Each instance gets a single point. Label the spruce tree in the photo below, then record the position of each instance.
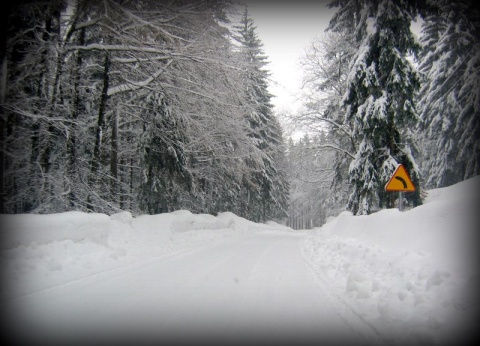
(166, 179)
(450, 110)
(148, 118)
(380, 101)
(265, 188)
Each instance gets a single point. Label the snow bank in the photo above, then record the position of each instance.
(412, 275)
(152, 233)
(42, 251)
(28, 229)
(25, 229)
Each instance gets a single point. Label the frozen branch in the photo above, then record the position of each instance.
(85, 24)
(130, 86)
(336, 148)
(115, 47)
(334, 123)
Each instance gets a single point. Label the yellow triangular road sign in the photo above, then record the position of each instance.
(400, 181)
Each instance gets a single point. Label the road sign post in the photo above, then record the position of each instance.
(401, 182)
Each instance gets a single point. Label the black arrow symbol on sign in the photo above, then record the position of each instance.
(403, 181)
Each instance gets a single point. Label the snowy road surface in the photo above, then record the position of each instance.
(256, 288)
(390, 278)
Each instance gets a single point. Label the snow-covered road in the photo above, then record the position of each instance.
(396, 278)
(255, 288)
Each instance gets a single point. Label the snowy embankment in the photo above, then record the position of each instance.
(41, 251)
(413, 275)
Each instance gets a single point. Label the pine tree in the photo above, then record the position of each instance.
(380, 100)
(148, 118)
(266, 187)
(34, 138)
(166, 179)
(450, 110)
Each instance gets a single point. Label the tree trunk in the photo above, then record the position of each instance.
(72, 169)
(3, 87)
(114, 157)
(47, 147)
(100, 126)
(123, 181)
(132, 175)
(101, 117)
(3, 91)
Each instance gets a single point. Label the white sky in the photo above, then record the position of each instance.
(286, 28)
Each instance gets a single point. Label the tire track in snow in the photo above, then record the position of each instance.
(256, 288)
(370, 334)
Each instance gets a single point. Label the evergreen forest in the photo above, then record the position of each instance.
(152, 106)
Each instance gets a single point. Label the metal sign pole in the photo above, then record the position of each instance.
(400, 201)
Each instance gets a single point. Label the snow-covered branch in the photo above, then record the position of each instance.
(130, 86)
(336, 148)
(331, 122)
(86, 24)
(115, 47)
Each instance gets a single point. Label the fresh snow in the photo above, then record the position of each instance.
(388, 278)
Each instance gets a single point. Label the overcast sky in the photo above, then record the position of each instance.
(286, 28)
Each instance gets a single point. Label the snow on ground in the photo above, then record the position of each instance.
(41, 251)
(411, 276)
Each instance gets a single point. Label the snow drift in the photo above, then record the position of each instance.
(413, 275)
(41, 251)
